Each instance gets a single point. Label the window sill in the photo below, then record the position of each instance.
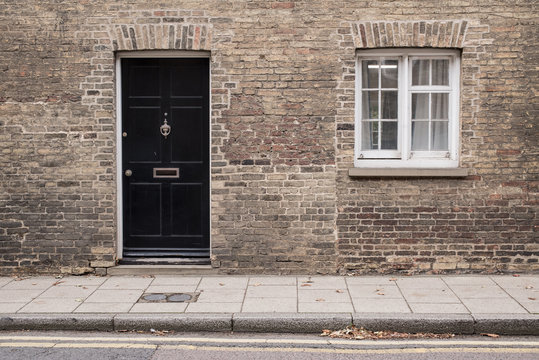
(408, 172)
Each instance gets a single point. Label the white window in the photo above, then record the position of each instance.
(407, 108)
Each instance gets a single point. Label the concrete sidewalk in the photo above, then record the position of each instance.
(457, 304)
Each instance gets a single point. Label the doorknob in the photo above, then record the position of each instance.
(128, 172)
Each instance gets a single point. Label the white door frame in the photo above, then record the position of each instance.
(119, 175)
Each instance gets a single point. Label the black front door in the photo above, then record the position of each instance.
(165, 146)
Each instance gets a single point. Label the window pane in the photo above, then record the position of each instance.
(440, 106)
(369, 137)
(420, 135)
(369, 74)
(439, 135)
(370, 104)
(420, 106)
(440, 72)
(389, 104)
(389, 135)
(390, 74)
(420, 72)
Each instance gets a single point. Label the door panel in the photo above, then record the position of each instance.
(165, 216)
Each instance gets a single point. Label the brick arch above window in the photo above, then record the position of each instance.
(380, 34)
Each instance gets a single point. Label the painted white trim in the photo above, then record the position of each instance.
(118, 124)
(404, 157)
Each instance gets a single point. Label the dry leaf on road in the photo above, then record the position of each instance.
(490, 335)
(305, 284)
(320, 300)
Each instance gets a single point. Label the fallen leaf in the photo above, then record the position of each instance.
(529, 287)
(58, 282)
(320, 300)
(490, 335)
(221, 284)
(393, 279)
(530, 298)
(352, 332)
(380, 293)
(79, 300)
(516, 275)
(339, 291)
(257, 284)
(305, 284)
(84, 287)
(34, 283)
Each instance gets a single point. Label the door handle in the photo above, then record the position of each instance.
(128, 172)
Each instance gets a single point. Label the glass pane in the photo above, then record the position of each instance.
(369, 135)
(389, 104)
(439, 135)
(389, 135)
(420, 135)
(420, 106)
(440, 106)
(440, 72)
(370, 105)
(390, 74)
(369, 74)
(420, 72)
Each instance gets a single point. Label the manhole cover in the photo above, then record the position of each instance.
(169, 297)
(179, 298)
(154, 297)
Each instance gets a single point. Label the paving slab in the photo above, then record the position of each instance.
(214, 307)
(5, 280)
(373, 291)
(364, 305)
(221, 295)
(81, 281)
(158, 308)
(273, 280)
(486, 306)
(438, 308)
(325, 307)
(468, 280)
(272, 291)
(323, 295)
(479, 291)
(14, 296)
(111, 296)
(51, 305)
(421, 283)
(370, 280)
(322, 282)
(263, 305)
(104, 307)
(70, 291)
(161, 280)
(429, 295)
(10, 308)
(34, 283)
(126, 283)
(516, 282)
(225, 282)
(531, 306)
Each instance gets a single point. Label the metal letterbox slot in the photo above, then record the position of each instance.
(166, 173)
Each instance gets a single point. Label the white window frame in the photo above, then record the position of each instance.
(404, 157)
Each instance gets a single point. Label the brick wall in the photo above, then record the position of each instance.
(282, 80)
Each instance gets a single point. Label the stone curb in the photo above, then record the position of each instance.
(503, 324)
(416, 323)
(175, 322)
(289, 323)
(79, 322)
(507, 324)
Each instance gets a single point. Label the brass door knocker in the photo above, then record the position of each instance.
(165, 128)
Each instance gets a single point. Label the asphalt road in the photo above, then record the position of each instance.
(216, 346)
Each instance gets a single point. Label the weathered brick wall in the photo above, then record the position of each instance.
(282, 77)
